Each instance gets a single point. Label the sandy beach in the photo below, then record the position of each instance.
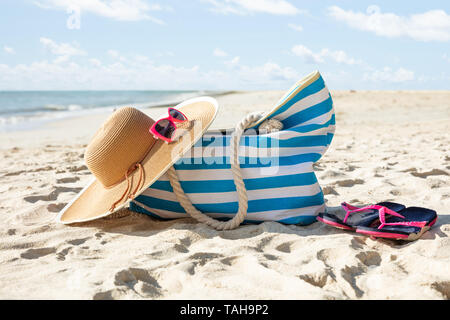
(388, 146)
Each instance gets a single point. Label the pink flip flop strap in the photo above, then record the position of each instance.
(382, 211)
(349, 209)
(382, 215)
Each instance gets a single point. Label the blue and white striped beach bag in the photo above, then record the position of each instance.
(277, 167)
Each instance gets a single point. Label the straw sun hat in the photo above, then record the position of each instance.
(125, 158)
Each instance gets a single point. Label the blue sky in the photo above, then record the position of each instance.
(223, 44)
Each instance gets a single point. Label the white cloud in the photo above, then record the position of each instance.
(138, 72)
(233, 62)
(61, 59)
(116, 55)
(139, 59)
(219, 53)
(340, 56)
(95, 62)
(433, 25)
(309, 56)
(9, 50)
(113, 53)
(243, 7)
(93, 74)
(295, 27)
(446, 57)
(123, 10)
(267, 73)
(63, 51)
(387, 74)
(165, 54)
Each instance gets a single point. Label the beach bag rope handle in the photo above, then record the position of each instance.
(237, 177)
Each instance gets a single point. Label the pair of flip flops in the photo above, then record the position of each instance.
(383, 220)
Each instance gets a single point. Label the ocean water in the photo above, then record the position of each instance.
(25, 109)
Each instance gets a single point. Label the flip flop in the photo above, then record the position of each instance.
(350, 221)
(407, 224)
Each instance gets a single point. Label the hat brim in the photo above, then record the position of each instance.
(95, 200)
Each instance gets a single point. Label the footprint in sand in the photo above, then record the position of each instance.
(350, 263)
(138, 280)
(77, 242)
(56, 207)
(16, 173)
(329, 190)
(204, 257)
(52, 196)
(317, 279)
(435, 183)
(331, 174)
(434, 172)
(349, 274)
(99, 235)
(109, 295)
(37, 253)
(229, 261)
(369, 258)
(187, 267)
(358, 243)
(77, 168)
(61, 255)
(350, 168)
(317, 167)
(349, 182)
(443, 288)
(67, 180)
(270, 257)
(333, 256)
(284, 247)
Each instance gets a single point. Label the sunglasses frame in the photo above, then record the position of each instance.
(172, 122)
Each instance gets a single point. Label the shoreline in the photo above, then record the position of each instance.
(65, 115)
(57, 131)
(38, 119)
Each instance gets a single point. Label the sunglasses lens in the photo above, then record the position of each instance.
(177, 114)
(165, 128)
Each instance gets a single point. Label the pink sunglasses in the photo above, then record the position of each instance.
(165, 128)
